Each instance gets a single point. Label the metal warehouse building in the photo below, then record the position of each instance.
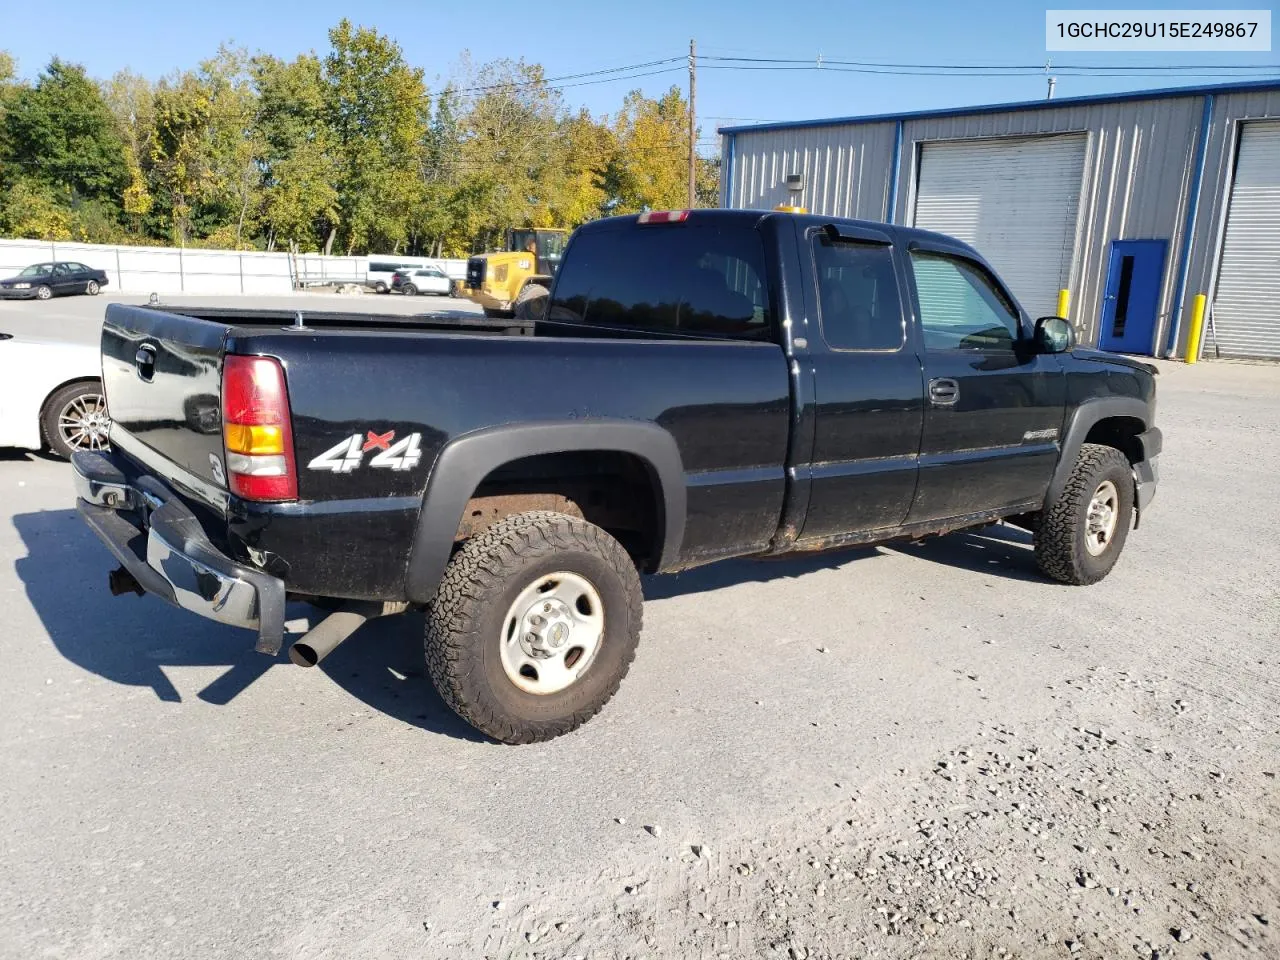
(1120, 210)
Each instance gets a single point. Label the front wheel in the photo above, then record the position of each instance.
(1079, 536)
(409, 290)
(534, 626)
(43, 292)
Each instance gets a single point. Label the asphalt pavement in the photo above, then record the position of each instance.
(170, 793)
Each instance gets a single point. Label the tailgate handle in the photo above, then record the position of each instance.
(145, 362)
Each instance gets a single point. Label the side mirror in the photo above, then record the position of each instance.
(1054, 335)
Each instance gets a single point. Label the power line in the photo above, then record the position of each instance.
(549, 81)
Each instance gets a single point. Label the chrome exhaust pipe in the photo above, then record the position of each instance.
(322, 639)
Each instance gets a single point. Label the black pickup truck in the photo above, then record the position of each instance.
(698, 386)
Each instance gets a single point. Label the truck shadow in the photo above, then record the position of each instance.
(998, 550)
(131, 640)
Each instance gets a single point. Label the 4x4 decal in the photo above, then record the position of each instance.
(348, 455)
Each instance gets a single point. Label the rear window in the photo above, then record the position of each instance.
(680, 278)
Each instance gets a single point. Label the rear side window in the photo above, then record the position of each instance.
(680, 278)
(857, 295)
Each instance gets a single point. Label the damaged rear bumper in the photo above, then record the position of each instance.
(160, 542)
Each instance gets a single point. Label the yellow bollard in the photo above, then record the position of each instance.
(1064, 303)
(1196, 328)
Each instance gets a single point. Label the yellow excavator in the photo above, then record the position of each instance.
(517, 281)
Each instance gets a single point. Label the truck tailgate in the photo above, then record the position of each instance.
(162, 374)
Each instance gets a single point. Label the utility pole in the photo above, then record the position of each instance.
(693, 124)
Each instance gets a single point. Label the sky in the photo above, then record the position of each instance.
(156, 37)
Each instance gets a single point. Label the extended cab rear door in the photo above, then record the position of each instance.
(994, 405)
(867, 381)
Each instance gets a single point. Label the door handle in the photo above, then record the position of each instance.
(144, 362)
(943, 391)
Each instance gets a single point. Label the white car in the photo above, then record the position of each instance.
(51, 396)
(414, 281)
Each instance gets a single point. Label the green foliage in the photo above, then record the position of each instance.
(343, 150)
(60, 132)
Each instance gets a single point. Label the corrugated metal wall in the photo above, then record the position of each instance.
(1229, 111)
(846, 169)
(1137, 171)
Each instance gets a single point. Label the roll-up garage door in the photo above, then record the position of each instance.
(1246, 308)
(1015, 200)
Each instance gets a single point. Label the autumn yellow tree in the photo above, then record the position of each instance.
(650, 168)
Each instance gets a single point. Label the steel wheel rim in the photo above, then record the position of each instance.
(1102, 518)
(83, 423)
(552, 633)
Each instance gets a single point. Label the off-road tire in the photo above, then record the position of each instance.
(494, 314)
(531, 305)
(1060, 532)
(464, 624)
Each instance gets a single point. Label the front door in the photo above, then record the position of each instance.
(1132, 297)
(994, 407)
(869, 392)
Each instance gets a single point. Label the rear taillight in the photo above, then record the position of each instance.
(256, 429)
(663, 216)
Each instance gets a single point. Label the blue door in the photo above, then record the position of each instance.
(1132, 296)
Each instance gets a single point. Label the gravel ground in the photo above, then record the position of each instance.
(908, 751)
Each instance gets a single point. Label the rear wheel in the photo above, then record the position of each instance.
(43, 292)
(532, 303)
(379, 287)
(75, 418)
(91, 288)
(1079, 537)
(534, 626)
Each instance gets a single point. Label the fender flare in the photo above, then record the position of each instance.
(464, 462)
(1083, 419)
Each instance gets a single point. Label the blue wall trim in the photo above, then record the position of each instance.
(727, 173)
(1188, 228)
(892, 213)
(1162, 93)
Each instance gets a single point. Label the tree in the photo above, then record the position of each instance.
(300, 198)
(377, 107)
(131, 99)
(180, 172)
(61, 133)
(34, 210)
(650, 168)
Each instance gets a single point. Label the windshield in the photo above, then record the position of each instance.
(37, 269)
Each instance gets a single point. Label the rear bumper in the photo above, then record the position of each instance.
(157, 538)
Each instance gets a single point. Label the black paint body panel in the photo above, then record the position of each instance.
(758, 447)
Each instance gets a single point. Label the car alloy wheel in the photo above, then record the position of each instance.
(43, 293)
(83, 423)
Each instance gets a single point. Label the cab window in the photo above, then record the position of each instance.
(684, 279)
(961, 305)
(857, 295)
